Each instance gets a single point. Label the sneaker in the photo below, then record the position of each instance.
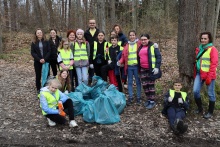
(151, 105)
(73, 124)
(51, 123)
(207, 115)
(138, 102)
(129, 102)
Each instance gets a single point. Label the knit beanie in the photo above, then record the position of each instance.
(79, 31)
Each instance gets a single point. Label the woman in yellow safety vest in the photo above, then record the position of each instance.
(81, 52)
(65, 59)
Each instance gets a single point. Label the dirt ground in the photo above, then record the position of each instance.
(22, 124)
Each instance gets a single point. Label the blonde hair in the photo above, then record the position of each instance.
(55, 82)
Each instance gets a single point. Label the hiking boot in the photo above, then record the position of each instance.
(150, 105)
(51, 123)
(138, 102)
(199, 105)
(129, 102)
(73, 124)
(207, 115)
(175, 131)
(181, 127)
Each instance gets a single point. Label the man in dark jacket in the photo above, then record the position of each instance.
(91, 36)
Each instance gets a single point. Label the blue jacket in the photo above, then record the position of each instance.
(122, 38)
(44, 105)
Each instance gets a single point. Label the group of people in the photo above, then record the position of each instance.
(81, 55)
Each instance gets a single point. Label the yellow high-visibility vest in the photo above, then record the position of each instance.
(65, 55)
(132, 57)
(80, 52)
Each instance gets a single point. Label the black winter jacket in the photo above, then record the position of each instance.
(35, 51)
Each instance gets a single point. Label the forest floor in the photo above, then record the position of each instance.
(22, 123)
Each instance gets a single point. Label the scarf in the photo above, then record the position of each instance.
(201, 49)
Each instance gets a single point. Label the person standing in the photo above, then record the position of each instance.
(54, 41)
(149, 61)
(122, 38)
(91, 35)
(129, 59)
(71, 35)
(40, 51)
(98, 54)
(205, 72)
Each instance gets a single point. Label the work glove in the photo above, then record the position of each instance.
(60, 105)
(170, 99)
(109, 61)
(155, 45)
(208, 81)
(62, 113)
(118, 63)
(91, 66)
(155, 71)
(180, 100)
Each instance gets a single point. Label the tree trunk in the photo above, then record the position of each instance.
(37, 12)
(112, 12)
(48, 4)
(134, 14)
(13, 12)
(194, 17)
(6, 14)
(27, 10)
(79, 14)
(69, 15)
(1, 45)
(102, 14)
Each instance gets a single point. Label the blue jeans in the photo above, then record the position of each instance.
(133, 70)
(198, 85)
(82, 74)
(175, 113)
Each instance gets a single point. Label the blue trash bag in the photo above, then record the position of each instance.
(45, 73)
(78, 102)
(98, 86)
(85, 90)
(118, 98)
(105, 111)
(89, 114)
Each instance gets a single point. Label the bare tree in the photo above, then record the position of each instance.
(6, 15)
(49, 4)
(38, 14)
(112, 12)
(1, 45)
(134, 14)
(193, 19)
(79, 14)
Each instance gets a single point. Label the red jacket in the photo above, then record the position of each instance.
(124, 56)
(213, 65)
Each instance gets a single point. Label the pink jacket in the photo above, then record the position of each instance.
(213, 65)
(124, 56)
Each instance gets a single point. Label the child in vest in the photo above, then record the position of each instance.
(112, 53)
(176, 104)
(53, 102)
(98, 54)
(81, 54)
(129, 59)
(64, 78)
(65, 59)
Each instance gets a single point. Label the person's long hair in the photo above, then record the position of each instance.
(35, 39)
(64, 82)
(62, 42)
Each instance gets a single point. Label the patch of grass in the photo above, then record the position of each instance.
(159, 88)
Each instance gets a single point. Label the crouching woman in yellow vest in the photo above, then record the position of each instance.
(53, 103)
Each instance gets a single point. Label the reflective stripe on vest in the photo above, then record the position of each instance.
(80, 52)
(183, 94)
(153, 58)
(52, 101)
(205, 61)
(65, 55)
(132, 57)
(96, 47)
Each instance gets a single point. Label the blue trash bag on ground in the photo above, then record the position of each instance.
(118, 98)
(85, 90)
(78, 102)
(89, 111)
(105, 111)
(45, 73)
(98, 86)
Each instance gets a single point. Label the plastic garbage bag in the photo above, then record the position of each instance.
(85, 90)
(78, 102)
(118, 98)
(45, 72)
(89, 114)
(105, 111)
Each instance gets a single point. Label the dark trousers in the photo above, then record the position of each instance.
(75, 78)
(38, 71)
(97, 69)
(60, 119)
(175, 113)
(53, 65)
(105, 70)
(118, 77)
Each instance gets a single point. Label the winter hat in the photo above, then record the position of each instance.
(79, 31)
